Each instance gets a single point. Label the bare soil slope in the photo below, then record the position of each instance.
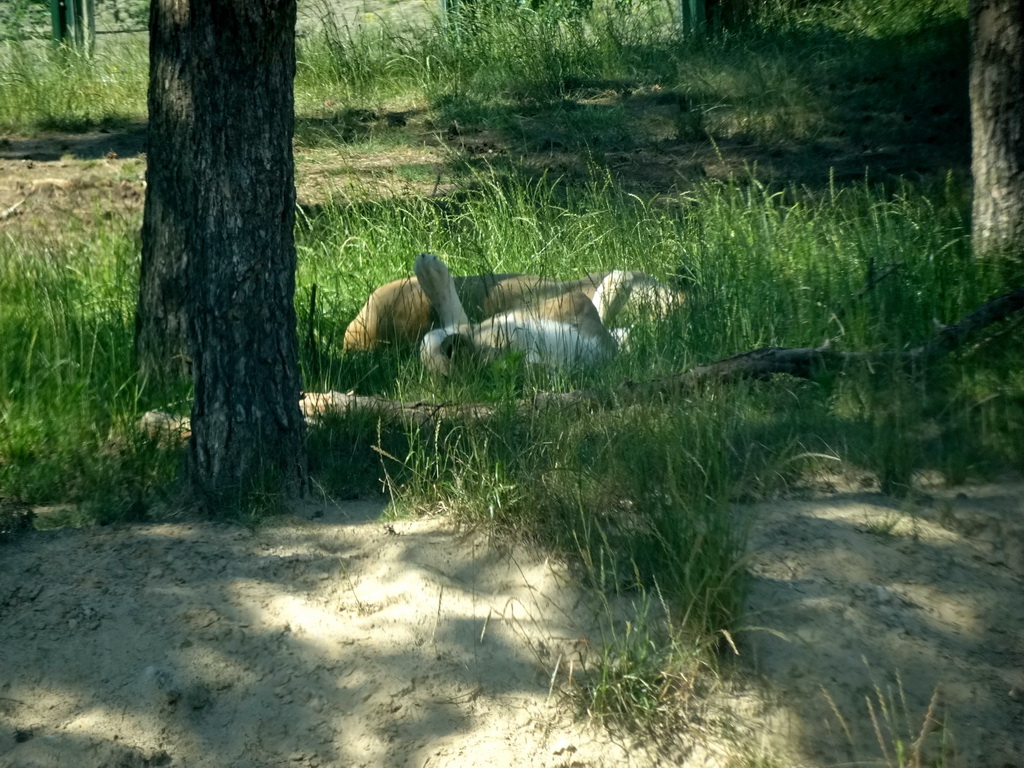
(334, 639)
(894, 625)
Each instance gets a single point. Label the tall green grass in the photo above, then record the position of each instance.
(783, 71)
(69, 399)
(760, 268)
(789, 72)
(46, 88)
(637, 497)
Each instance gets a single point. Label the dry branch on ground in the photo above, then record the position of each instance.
(764, 363)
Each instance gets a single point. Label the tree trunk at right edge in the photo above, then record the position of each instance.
(997, 126)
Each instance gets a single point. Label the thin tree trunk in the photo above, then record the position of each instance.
(997, 125)
(161, 344)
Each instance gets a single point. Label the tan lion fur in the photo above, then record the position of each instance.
(400, 312)
(562, 330)
(554, 322)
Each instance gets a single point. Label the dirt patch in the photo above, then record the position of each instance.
(92, 145)
(333, 638)
(355, 153)
(326, 174)
(50, 182)
(911, 611)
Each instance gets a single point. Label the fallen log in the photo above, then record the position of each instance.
(764, 363)
(814, 362)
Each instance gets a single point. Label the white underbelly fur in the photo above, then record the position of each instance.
(549, 342)
(552, 343)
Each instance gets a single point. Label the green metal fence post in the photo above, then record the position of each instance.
(74, 22)
(692, 17)
(58, 19)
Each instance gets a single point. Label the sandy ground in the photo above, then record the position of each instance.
(336, 640)
(333, 641)
(332, 638)
(912, 610)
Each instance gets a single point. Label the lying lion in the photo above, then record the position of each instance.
(558, 323)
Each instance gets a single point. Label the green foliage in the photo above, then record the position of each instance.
(650, 667)
(69, 400)
(21, 18)
(896, 17)
(607, 79)
(558, 76)
(639, 498)
(43, 88)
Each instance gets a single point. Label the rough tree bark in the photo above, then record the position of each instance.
(161, 344)
(219, 227)
(997, 125)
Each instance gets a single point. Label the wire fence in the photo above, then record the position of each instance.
(31, 19)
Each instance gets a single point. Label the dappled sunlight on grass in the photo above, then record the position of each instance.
(800, 177)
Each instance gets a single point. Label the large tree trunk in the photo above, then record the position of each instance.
(997, 125)
(221, 189)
